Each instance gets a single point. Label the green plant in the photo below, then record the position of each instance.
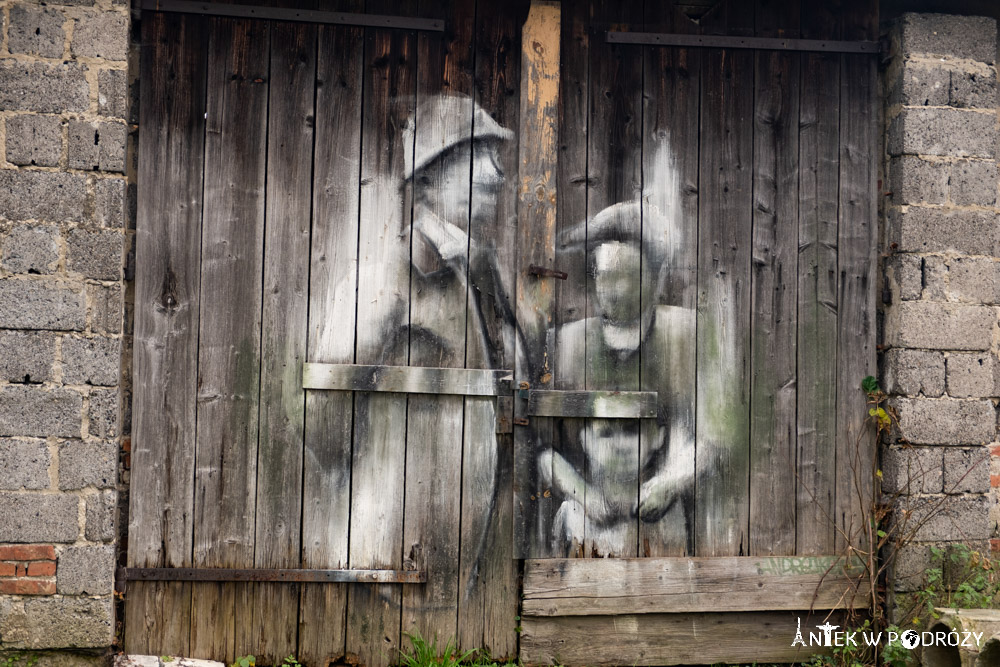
(166, 658)
(19, 660)
(290, 661)
(959, 577)
(426, 654)
(244, 661)
(894, 654)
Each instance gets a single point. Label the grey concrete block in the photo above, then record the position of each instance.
(914, 372)
(940, 326)
(86, 571)
(93, 361)
(973, 90)
(26, 356)
(908, 565)
(100, 526)
(967, 470)
(25, 464)
(96, 146)
(946, 421)
(95, 254)
(31, 249)
(56, 622)
(905, 275)
(919, 229)
(105, 308)
(912, 470)
(31, 410)
(970, 37)
(101, 35)
(36, 31)
(914, 180)
(109, 202)
(50, 196)
(112, 93)
(934, 273)
(974, 279)
(83, 464)
(946, 518)
(43, 87)
(31, 304)
(104, 413)
(974, 183)
(937, 131)
(921, 84)
(972, 375)
(32, 517)
(34, 140)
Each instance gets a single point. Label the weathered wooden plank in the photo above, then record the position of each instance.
(668, 639)
(856, 268)
(670, 210)
(724, 233)
(488, 599)
(283, 335)
(569, 352)
(592, 404)
(326, 479)
(407, 379)
(439, 313)
(295, 575)
(230, 329)
(615, 324)
(773, 282)
(536, 231)
(819, 182)
(168, 247)
(580, 587)
(379, 453)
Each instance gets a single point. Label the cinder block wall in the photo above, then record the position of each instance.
(942, 282)
(63, 213)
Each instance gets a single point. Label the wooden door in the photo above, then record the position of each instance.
(324, 208)
(694, 410)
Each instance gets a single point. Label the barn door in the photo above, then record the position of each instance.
(689, 421)
(324, 333)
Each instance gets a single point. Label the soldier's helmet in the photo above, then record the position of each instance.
(443, 122)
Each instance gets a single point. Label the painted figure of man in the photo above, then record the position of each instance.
(630, 336)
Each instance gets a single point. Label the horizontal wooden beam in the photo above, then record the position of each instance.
(585, 586)
(737, 42)
(278, 575)
(671, 639)
(407, 379)
(600, 404)
(299, 15)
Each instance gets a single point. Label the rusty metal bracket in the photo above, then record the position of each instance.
(543, 272)
(520, 421)
(124, 574)
(286, 14)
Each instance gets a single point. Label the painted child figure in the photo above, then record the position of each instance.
(613, 473)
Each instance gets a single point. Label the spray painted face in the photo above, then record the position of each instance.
(444, 185)
(617, 268)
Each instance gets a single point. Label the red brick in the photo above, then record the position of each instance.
(42, 568)
(27, 552)
(22, 569)
(995, 544)
(994, 481)
(28, 586)
(995, 450)
(7, 569)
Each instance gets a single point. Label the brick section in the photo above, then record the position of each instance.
(27, 552)
(25, 464)
(27, 586)
(30, 304)
(946, 421)
(96, 146)
(31, 517)
(42, 195)
(31, 249)
(36, 31)
(922, 229)
(917, 131)
(26, 356)
(43, 87)
(969, 37)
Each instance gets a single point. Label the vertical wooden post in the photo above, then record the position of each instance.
(536, 212)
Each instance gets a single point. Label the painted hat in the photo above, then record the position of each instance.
(624, 222)
(446, 121)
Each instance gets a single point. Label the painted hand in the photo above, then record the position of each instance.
(657, 496)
